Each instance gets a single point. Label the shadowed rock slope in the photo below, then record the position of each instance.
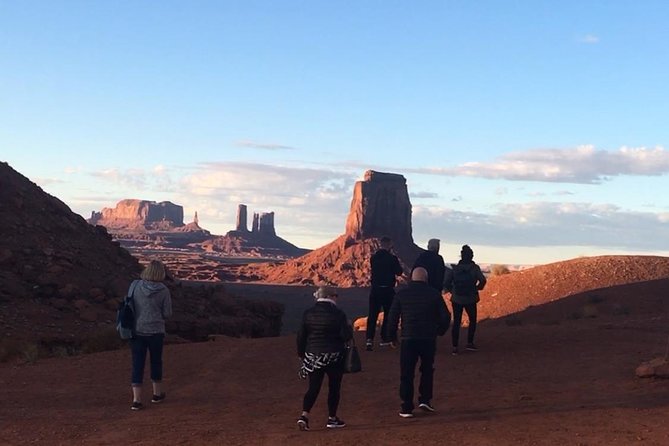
(61, 278)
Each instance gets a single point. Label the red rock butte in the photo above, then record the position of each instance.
(380, 207)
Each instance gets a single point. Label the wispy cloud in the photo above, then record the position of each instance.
(589, 39)
(547, 224)
(423, 195)
(43, 182)
(581, 165)
(262, 146)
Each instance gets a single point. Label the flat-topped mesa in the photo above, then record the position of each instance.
(140, 213)
(380, 207)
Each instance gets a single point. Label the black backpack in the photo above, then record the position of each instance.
(464, 280)
(125, 315)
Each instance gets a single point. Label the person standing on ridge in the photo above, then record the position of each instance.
(433, 263)
(385, 267)
(424, 317)
(464, 281)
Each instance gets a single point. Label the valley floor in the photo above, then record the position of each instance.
(561, 381)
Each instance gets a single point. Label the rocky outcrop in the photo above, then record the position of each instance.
(265, 225)
(136, 214)
(241, 219)
(61, 278)
(380, 207)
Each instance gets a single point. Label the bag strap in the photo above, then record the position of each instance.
(131, 290)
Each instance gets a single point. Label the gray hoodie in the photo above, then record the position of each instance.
(153, 305)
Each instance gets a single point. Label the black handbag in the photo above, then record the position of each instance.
(352, 363)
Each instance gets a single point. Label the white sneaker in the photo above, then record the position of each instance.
(406, 414)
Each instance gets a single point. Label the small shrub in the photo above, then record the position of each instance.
(30, 353)
(103, 340)
(595, 299)
(499, 270)
(9, 349)
(589, 311)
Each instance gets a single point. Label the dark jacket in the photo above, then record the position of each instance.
(434, 264)
(423, 311)
(385, 266)
(477, 275)
(324, 329)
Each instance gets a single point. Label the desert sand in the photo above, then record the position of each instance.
(558, 373)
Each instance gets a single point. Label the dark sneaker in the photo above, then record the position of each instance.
(385, 344)
(454, 352)
(158, 398)
(136, 405)
(471, 347)
(406, 414)
(334, 423)
(427, 407)
(369, 345)
(303, 423)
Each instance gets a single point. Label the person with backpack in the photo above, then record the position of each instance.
(385, 267)
(433, 263)
(464, 281)
(152, 304)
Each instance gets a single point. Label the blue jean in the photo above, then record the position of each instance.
(139, 346)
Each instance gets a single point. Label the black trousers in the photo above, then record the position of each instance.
(410, 351)
(335, 373)
(457, 320)
(379, 298)
(139, 345)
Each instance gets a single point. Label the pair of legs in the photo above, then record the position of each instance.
(379, 298)
(139, 346)
(411, 351)
(335, 373)
(457, 320)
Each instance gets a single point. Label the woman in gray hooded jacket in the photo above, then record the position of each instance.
(152, 305)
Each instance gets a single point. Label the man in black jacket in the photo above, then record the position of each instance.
(385, 266)
(424, 317)
(433, 263)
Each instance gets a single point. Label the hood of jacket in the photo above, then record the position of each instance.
(149, 288)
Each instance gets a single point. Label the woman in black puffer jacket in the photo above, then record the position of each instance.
(321, 342)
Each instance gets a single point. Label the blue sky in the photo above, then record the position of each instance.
(533, 130)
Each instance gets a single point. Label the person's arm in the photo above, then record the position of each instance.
(481, 278)
(302, 337)
(448, 279)
(397, 267)
(443, 317)
(167, 305)
(394, 319)
(346, 331)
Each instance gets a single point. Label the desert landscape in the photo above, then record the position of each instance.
(560, 343)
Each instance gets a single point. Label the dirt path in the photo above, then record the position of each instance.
(570, 381)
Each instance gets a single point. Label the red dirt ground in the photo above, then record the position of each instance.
(560, 373)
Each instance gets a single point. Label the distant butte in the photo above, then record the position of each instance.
(380, 207)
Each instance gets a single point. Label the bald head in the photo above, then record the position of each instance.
(419, 274)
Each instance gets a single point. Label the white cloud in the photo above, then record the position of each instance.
(423, 195)
(262, 146)
(590, 39)
(581, 165)
(547, 224)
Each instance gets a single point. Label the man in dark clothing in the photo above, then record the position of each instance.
(433, 263)
(385, 266)
(464, 281)
(424, 317)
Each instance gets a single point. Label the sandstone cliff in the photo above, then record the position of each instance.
(380, 207)
(140, 214)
